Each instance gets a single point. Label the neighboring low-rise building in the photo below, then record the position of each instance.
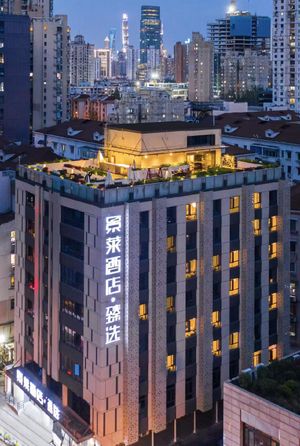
(261, 407)
(273, 135)
(144, 296)
(97, 108)
(75, 139)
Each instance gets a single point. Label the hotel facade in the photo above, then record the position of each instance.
(135, 304)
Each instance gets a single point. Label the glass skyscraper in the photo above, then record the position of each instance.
(150, 31)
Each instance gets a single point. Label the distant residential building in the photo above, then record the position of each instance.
(97, 108)
(261, 406)
(245, 72)
(174, 89)
(200, 61)
(148, 105)
(50, 43)
(181, 62)
(33, 8)
(82, 63)
(131, 63)
(295, 266)
(15, 83)
(231, 36)
(273, 135)
(74, 139)
(102, 60)
(286, 54)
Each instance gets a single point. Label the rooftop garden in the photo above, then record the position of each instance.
(279, 383)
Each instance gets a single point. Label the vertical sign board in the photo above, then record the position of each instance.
(113, 277)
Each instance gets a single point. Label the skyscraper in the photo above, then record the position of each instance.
(200, 57)
(150, 33)
(232, 36)
(125, 33)
(82, 64)
(15, 77)
(286, 54)
(112, 42)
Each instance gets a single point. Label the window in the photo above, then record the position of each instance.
(217, 207)
(171, 215)
(257, 200)
(171, 365)
(253, 437)
(190, 298)
(72, 217)
(191, 211)
(273, 251)
(201, 140)
(293, 246)
(171, 274)
(72, 309)
(256, 227)
(170, 304)
(190, 327)
(273, 198)
(72, 338)
(256, 358)
(72, 248)
(171, 395)
(171, 243)
(234, 286)
(273, 354)
(273, 221)
(143, 312)
(216, 262)
(234, 204)
(189, 388)
(144, 281)
(216, 347)
(190, 356)
(234, 259)
(216, 319)
(191, 241)
(191, 269)
(234, 340)
(293, 226)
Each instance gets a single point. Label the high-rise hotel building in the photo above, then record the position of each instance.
(135, 303)
(286, 54)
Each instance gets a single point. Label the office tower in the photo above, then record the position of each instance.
(139, 302)
(150, 36)
(131, 63)
(82, 64)
(15, 84)
(286, 54)
(200, 62)
(33, 8)
(232, 35)
(181, 62)
(112, 42)
(125, 33)
(103, 63)
(50, 46)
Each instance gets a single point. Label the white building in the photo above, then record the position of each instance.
(82, 66)
(286, 54)
(50, 75)
(102, 60)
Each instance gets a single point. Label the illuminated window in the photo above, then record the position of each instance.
(234, 340)
(273, 250)
(216, 347)
(13, 236)
(234, 204)
(256, 358)
(171, 243)
(234, 259)
(190, 327)
(257, 200)
(272, 301)
(234, 286)
(170, 304)
(273, 353)
(191, 211)
(191, 269)
(273, 222)
(12, 281)
(216, 262)
(143, 313)
(216, 319)
(171, 366)
(257, 227)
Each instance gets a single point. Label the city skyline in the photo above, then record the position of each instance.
(87, 24)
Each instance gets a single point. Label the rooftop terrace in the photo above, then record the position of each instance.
(279, 382)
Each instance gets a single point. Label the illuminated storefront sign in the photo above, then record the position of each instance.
(37, 395)
(113, 281)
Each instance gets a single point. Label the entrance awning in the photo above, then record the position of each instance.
(65, 417)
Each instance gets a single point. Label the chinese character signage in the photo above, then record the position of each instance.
(113, 280)
(37, 395)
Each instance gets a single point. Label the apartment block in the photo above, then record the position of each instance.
(135, 303)
(200, 71)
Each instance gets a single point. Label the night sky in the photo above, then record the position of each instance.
(94, 18)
